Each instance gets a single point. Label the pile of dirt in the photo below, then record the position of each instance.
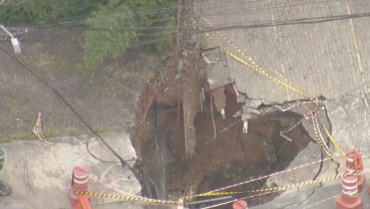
(228, 157)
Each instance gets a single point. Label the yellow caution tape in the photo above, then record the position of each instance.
(255, 67)
(333, 141)
(315, 128)
(305, 183)
(59, 165)
(264, 73)
(328, 133)
(130, 198)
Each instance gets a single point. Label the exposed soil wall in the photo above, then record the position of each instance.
(231, 157)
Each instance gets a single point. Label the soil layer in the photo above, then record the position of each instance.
(227, 158)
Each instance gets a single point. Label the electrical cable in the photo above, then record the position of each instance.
(84, 21)
(123, 162)
(153, 28)
(168, 9)
(93, 155)
(267, 24)
(262, 8)
(264, 52)
(228, 27)
(313, 20)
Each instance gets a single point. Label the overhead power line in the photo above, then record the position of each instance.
(193, 31)
(173, 9)
(111, 18)
(56, 92)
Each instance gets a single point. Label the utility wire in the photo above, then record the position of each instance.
(168, 9)
(313, 20)
(161, 28)
(240, 25)
(123, 162)
(263, 8)
(237, 26)
(265, 50)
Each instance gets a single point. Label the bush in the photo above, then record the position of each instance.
(120, 15)
(45, 11)
(100, 14)
(101, 44)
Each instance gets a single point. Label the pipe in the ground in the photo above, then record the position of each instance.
(209, 200)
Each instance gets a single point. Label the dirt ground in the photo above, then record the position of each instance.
(230, 158)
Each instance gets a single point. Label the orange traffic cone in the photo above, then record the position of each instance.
(79, 183)
(354, 165)
(240, 204)
(82, 202)
(349, 198)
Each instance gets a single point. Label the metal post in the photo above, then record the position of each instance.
(14, 40)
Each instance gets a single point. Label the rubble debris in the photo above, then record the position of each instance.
(219, 100)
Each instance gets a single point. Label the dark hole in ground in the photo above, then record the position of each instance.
(231, 158)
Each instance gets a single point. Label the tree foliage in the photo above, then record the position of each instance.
(101, 44)
(102, 14)
(40, 11)
(120, 15)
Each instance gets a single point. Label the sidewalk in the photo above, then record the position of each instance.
(315, 197)
(37, 181)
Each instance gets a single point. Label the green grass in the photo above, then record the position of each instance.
(54, 133)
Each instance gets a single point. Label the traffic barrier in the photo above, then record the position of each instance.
(349, 198)
(125, 197)
(262, 177)
(2, 158)
(354, 165)
(290, 186)
(80, 182)
(240, 204)
(180, 204)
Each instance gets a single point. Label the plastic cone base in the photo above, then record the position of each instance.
(355, 205)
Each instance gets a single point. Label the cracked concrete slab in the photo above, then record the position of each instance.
(217, 70)
(305, 60)
(350, 121)
(310, 154)
(315, 198)
(37, 181)
(350, 117)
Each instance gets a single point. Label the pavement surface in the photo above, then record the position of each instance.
(106, 100)
(324, 59)
(37, 181)
(328, 59)
(318, 197)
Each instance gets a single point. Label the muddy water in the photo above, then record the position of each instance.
(231, 157)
